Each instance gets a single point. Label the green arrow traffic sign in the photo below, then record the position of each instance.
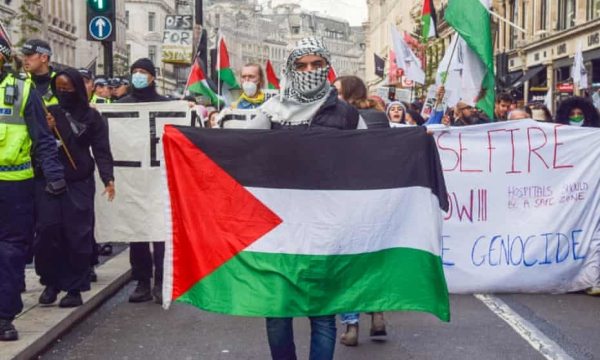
(99, 5)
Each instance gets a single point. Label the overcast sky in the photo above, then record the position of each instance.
(355, 11)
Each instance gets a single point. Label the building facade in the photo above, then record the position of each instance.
(541, 58)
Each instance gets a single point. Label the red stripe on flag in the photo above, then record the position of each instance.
(223, 55)
(332, 75)
(213, 216)
(271, 77)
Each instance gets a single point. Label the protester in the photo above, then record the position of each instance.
(212, 119)
(520, 113)
(26, 138)
(396, 112)
(577, 111)
(503, 102)
(465, 115)
(414, 118)
(36, 62)
(354, 91)
(309, 103)
(102, 92)
(379, 101)
(253, 81)
(64, 238)
(143, 75)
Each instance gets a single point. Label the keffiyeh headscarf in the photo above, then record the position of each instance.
(307, 86)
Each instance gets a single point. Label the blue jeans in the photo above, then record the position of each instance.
(349, 318)
(280, 332)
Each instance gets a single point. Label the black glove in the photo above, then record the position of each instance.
(56, 188)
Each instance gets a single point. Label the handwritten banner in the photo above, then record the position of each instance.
(137, 213)
(177, 39)
(524, 207)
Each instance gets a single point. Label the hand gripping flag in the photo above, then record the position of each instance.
(280, 224)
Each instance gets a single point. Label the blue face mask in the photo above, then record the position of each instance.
(139, 81)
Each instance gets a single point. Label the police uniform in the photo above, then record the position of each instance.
(98, 99)
(42, 82)
(23, 127)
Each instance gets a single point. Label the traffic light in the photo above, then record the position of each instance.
(101, 24)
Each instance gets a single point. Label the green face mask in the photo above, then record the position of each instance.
(576, 119)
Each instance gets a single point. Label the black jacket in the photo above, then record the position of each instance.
(374, 118)
(335, 114)
(93, 133)
(148, 94)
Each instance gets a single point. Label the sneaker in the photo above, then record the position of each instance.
(49, 295)
(93, 276)
(141, 293)
(378, 332)
(71, 300)
(350, 337)
(8, 331)
(157, 292)
(594, 291)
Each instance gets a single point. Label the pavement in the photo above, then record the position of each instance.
(39, 326)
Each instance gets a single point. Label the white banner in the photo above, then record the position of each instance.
(137, 213)
(524, 207)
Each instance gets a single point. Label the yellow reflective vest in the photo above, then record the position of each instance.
(15, 142)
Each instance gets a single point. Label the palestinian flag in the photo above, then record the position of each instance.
(271, 77)
(332, 75)
(294, 223)
(198, 84)
(475, 28)
(224, 70)
(428, 19)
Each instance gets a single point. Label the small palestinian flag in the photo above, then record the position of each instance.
(332, 75)
(428, 18)
(224, 70)
(198, 84)
(271, 77)
(283, 224)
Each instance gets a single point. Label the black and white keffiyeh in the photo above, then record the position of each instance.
(307, 86)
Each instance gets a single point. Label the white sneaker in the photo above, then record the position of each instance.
(594, 291)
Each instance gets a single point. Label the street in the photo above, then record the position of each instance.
(560, 326)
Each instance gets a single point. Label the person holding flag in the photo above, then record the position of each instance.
(253, 80)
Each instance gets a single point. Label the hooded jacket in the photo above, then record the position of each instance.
(81, 128)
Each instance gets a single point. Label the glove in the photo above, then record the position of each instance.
(56, 188)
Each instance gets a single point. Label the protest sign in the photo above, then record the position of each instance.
(524, 207)
(177, 39)
(135, 131)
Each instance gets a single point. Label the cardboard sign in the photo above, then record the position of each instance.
(178, 39)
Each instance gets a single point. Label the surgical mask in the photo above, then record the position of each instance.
(250, 88)
(139, 81)
(576, 120)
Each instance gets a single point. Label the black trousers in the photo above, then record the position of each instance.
(142, 260)
(65, 235)
(16, 235)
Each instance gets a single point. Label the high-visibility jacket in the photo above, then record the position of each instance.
(15, 142)
(48, 96)
(100, 100)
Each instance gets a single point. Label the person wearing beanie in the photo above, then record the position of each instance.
(143, 74)
(142, 260)
(396, 113)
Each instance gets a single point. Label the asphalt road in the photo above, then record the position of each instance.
(524, 327)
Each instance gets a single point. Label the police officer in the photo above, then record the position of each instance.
(120, 88)
(63, 245)
(24, 132)
(88, 81)
(36, 62)
(102, 91)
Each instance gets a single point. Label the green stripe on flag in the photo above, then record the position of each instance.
(288, 285)
(426, 19)
(227, 76)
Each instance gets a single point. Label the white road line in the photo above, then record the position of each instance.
(540, 342)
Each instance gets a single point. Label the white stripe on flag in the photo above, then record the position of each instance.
(336, 222)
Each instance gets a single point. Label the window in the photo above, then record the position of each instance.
(152, 53)
(127, 19)
(593, 9)
(523, 21)
(514, 17)
(544, 15)
(295, 29)
(566, 14)
(129, 53)
(151, 21)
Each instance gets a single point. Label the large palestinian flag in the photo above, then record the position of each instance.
(294, 223)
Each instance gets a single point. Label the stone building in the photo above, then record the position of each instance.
(541, 58)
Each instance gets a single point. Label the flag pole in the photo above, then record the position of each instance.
(497, 16)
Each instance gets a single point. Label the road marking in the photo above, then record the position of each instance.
(540, 342)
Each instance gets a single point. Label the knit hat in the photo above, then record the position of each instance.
(144, 64)
(387, 111)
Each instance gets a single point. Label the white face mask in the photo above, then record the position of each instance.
(250, 88)
(573, 123)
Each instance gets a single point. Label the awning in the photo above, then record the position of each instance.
(528, 75)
